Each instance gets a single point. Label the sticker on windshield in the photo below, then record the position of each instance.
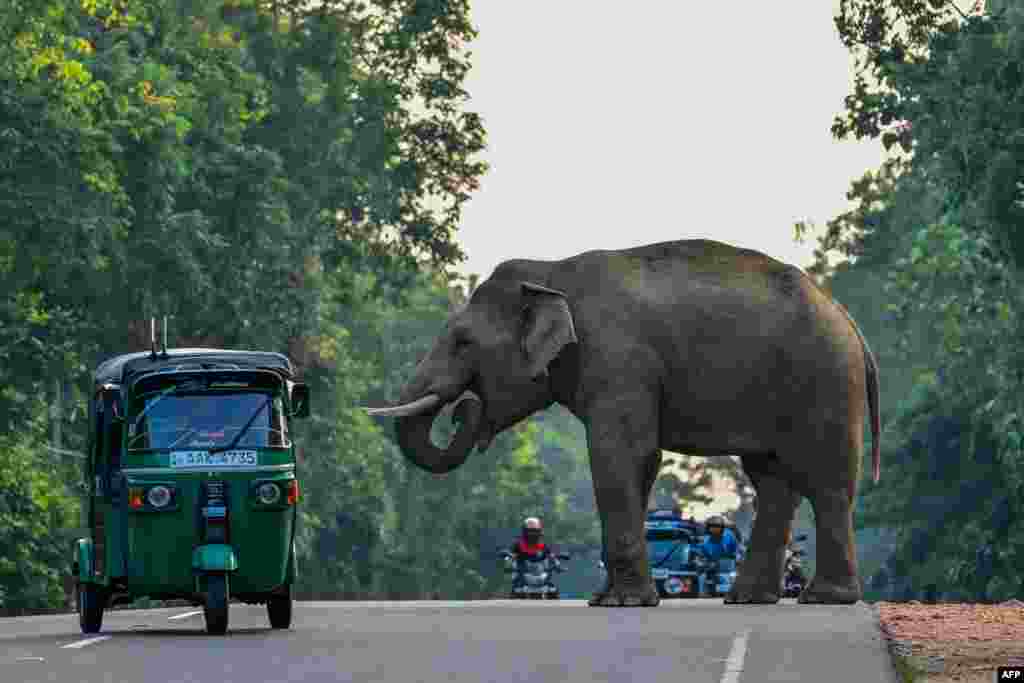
(204, 459)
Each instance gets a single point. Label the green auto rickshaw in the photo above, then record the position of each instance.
(192, 480)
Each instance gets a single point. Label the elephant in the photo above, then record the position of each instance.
(693, 346)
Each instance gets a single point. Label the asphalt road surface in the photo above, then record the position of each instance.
(696, 641)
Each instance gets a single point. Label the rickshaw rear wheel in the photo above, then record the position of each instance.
(279, 609)
(90, 607)
(215, 609)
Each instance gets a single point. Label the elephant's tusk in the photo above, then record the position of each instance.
(467, 395)
(417, 407)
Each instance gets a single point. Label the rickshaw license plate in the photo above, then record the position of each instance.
(659, 573)
(204, 458)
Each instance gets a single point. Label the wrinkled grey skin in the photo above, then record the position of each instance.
(692, 346)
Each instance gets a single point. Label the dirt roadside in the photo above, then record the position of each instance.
(954, 642)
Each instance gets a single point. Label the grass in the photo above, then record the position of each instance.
(907, 671)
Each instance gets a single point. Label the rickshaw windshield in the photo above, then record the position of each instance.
(208, 420)
(662, 543)
(662, 548)
(667, 535)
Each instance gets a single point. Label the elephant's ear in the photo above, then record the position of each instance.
(547, 326)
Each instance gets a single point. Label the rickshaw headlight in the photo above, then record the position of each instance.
(268, 493)
(159, 496)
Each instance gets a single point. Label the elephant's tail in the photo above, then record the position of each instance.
(876, 423)
(871, 369)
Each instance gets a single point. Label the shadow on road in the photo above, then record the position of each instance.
(147, 632)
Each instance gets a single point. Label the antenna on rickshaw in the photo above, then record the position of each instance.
(152, 337)
(165, 337)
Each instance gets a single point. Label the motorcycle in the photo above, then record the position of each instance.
(533, 580)
(793, 579)
(718, 575)
(709, 578)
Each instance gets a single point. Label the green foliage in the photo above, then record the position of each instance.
(280, 175)
(37, 514)
(239, 167)
(884, 37)
(933, 276)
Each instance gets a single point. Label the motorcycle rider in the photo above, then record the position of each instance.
(792, 562)
(720, 542)
(789, 544)
(530, 544)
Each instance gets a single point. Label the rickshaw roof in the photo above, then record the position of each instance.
(118, 369)
(665, 520)
(668, 524)
(676, 531)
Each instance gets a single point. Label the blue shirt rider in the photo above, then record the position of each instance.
(720, 542)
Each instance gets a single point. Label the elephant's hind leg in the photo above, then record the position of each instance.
(835, 581)
(760, 576)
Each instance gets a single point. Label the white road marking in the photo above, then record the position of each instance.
(30, 659)
(186, 615)
(734, 664)
(83, 643)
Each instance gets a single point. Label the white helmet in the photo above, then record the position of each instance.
(533, 530)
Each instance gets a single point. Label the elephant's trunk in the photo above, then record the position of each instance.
(413, 432)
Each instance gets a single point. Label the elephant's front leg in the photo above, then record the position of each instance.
(622, 437)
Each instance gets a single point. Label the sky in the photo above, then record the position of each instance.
(612, 125)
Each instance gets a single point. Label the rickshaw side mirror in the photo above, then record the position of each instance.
(109, 392)
(300, 400)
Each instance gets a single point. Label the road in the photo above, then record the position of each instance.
(698, 641)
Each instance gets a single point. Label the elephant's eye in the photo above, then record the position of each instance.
(461, 344)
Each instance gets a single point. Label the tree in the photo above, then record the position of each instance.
(37, 512)
(236, 165)
(935, 239)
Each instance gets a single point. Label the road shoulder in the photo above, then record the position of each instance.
(952, 642)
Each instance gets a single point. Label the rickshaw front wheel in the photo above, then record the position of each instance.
(90, 607)
(215, 609)
(279, 609)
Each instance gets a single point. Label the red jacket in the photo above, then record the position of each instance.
(521, 547)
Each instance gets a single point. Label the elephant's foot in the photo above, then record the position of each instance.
(823, 592)
(642, 595)
(751, 595)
